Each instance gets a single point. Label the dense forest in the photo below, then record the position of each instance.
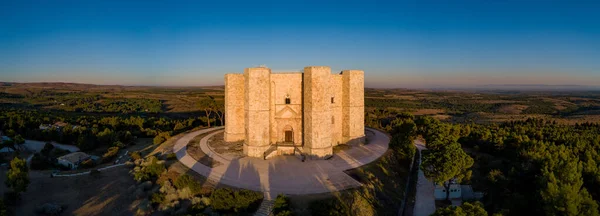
(530, 167)
(536, 167)
(88, 130)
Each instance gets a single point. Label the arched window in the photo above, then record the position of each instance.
(332, 99)
(287, 99)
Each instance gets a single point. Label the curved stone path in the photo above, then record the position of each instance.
(283, 174)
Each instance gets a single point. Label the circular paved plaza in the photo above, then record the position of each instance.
(282, 174)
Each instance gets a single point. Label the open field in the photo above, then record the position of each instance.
(450, 105)
(176, 101)
(488, 106)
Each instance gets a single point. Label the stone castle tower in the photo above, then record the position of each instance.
(292, 113)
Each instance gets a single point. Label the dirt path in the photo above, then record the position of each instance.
(425, 202)
(105, 194)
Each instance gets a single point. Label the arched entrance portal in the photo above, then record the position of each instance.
(288, 132)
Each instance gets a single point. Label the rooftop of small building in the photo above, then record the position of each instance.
(74, 157)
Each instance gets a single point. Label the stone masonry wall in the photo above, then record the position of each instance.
(286, 115)
(317, 112)
(234, 107)
(325, 109)
(257, 123)
(354, 105)
(336, 108)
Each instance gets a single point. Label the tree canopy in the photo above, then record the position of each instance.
(17, 176)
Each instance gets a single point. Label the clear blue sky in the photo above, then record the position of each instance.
(397, 43)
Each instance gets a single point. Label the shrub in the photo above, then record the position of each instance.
(39, 162)
(282, 206)
(329, 207)
(196, 209)
(171, 156)
(149, 169)
(157, 198)
(161, 137)
(135, 155)
(198, 206)
(169, 192)
(47, 149)
(89, 163)
(19, 139)
(186, 180)
(118, 144)
(110, 154)
(247, 200)
(222, 200)
(226, 200)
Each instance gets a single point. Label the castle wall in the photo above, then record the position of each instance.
(336, 108)
(317, 112)
(353, 105)
(325, 109)
(234, 107)
(286, 115)
(257, 109)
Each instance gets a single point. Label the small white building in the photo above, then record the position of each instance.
(455, 192)
(72, 160)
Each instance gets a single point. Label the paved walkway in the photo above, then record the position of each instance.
(424, 201)
(283, 174)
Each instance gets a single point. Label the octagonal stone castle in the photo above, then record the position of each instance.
(294, 113)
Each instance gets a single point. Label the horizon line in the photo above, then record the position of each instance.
(571, 87)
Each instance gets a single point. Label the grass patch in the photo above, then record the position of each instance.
(194, 150)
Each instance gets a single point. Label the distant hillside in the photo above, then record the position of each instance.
(88, 87)
(537, 87)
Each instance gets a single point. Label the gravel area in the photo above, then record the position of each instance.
(233, 149)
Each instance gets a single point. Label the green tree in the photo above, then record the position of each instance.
(564, 193)
(209, 105)
(445, 164)
(466, 209)
(473, 209)
(282, 206)
(161, 137)
(17, 176)
(220, 110)
(19, 139)
(106, 137)
(403, 136)
(178, 127)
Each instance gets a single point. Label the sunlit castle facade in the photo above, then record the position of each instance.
(294, 113)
